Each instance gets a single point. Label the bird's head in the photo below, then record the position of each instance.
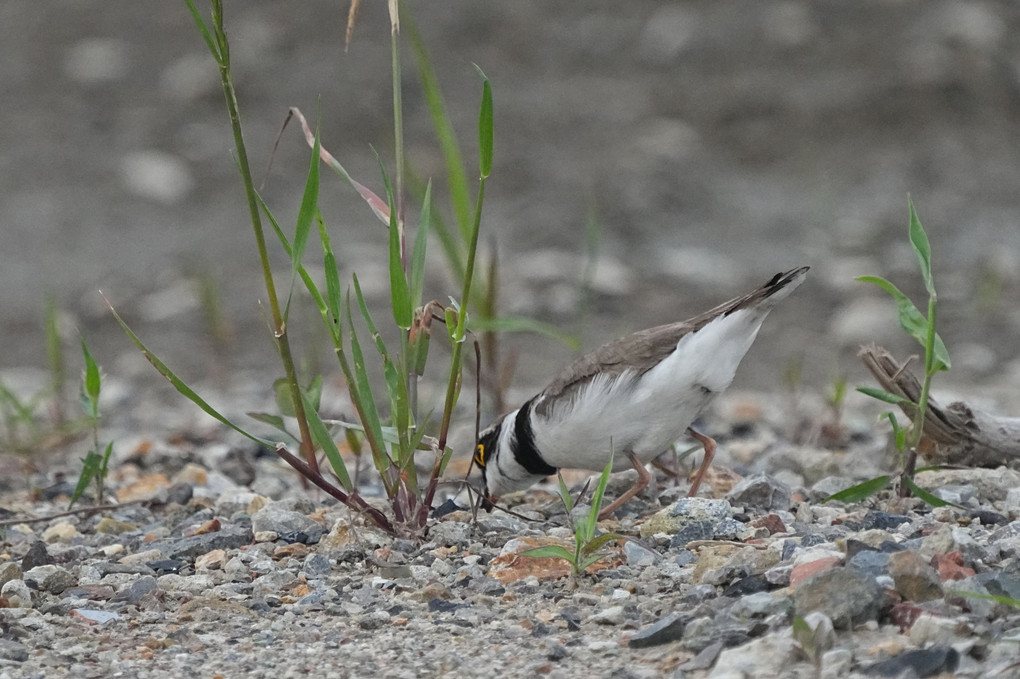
(486, 452)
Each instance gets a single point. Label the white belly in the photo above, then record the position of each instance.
(645, 414)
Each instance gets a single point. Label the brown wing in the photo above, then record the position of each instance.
(644, 349)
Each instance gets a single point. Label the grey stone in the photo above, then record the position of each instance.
(12, 650)
(922, 663)
(50, 578)
(9, 570)
(228, 537)
(133, 593)
(17, 593)
(36, 556)
(290, 525)
(668, 629)
(450, 533)
(761, 491)
(846, 595)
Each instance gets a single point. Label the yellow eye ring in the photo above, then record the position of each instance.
(480, 455)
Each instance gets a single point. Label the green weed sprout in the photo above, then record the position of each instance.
(95, 463)
(936, 359)
(22, 431)
(587, 545)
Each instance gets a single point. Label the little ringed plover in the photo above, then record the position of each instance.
(631, 398)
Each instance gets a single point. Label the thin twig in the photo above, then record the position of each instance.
(72, 512)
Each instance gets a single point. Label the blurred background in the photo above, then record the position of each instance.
(652, 159)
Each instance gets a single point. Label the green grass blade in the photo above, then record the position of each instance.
(911, 320)
(361, 393)
(91, 384)
(485, 127)
(456, 176)
(549, 552)
(997, 598)
(179, 384)
(330, 318)
(420, 244)
(933, 500)
(522, 324)
(395, 385)
(599, 542)
(275, 421)
(884, 396)
(54, 352)
(22, 411)
(919, 240)
(400, 296)
(306, 213)
(90, 468)
(861, 491)
(204, 30)
(600, 491)
(568, 502)
(377, 205)
(322, 439)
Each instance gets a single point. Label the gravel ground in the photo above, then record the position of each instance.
(223, 566)
(721, 142)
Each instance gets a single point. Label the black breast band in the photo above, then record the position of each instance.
(525, 452)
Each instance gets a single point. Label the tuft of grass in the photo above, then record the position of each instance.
(936, 359)
(587, 546)
(392, 426)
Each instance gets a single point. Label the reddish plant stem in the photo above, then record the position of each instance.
(352, 500)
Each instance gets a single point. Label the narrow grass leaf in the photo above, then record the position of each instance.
(90, 469)
(997, 598)
(456, 175)
(919, 240)
(306, 213)
(179, 384)
(204, 30)
(283, 397)
(54, 350)
(23, 411)
(933, 500)
(899, 433)
(91, 384)
(598, 543)
(321, 437)
(400, 296)
(275, 421)
(485, 127)
(377, 204)
(395, 385)
(522, 324)
(549, 551)
(568, 502)
(884, 396)
(420, 244)
(309, 207)
(861, 491)
(600, 490)
(911, 320)
(313, 289)
(314, 391)
(361, 393)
